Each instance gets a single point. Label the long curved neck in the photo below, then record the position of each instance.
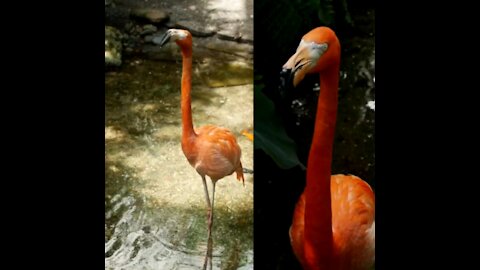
(187, 124)
(318, 244)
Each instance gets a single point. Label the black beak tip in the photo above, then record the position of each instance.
(286, 80)
(286, 72)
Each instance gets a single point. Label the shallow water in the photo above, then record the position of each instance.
(155, 210)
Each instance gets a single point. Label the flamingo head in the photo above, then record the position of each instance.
(318, 50)
(183, 38)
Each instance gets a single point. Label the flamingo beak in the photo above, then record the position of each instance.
(165, 38)
(286, 81)
(298, 66)
(304, 60)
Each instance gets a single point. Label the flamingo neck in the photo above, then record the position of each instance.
(318, 236)
(187, 123)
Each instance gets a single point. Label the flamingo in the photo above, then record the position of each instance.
(333, 224)
(213, 151)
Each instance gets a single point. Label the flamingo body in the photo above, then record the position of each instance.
(353, 226)
(214, 152)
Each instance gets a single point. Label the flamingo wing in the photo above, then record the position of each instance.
(218, 152)
(353, 222)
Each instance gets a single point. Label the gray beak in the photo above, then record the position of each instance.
(165, 38)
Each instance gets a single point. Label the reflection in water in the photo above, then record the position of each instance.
(155, 213)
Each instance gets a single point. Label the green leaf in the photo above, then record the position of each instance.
(270, 135)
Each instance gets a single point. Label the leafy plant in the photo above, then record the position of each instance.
(270, 135)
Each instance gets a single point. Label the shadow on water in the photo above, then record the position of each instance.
(155, 210)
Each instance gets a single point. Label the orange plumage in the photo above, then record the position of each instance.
(214, 152)
(353, 225)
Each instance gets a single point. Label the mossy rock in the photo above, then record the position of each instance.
(113, 46)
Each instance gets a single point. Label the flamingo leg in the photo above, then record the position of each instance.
(209, 206)
(207, 198)
(210, 221)
(210, 224)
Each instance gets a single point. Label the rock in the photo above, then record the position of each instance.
(113, 46)
(151, 15)
(148, 29)
(149, 38)
(197, 30)
(155, 39)
(236, 32)
(170, 24)
(116, 16)
(137, 30)
(240, 49)
(238, 37)
(169, 52)
(131, 43)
